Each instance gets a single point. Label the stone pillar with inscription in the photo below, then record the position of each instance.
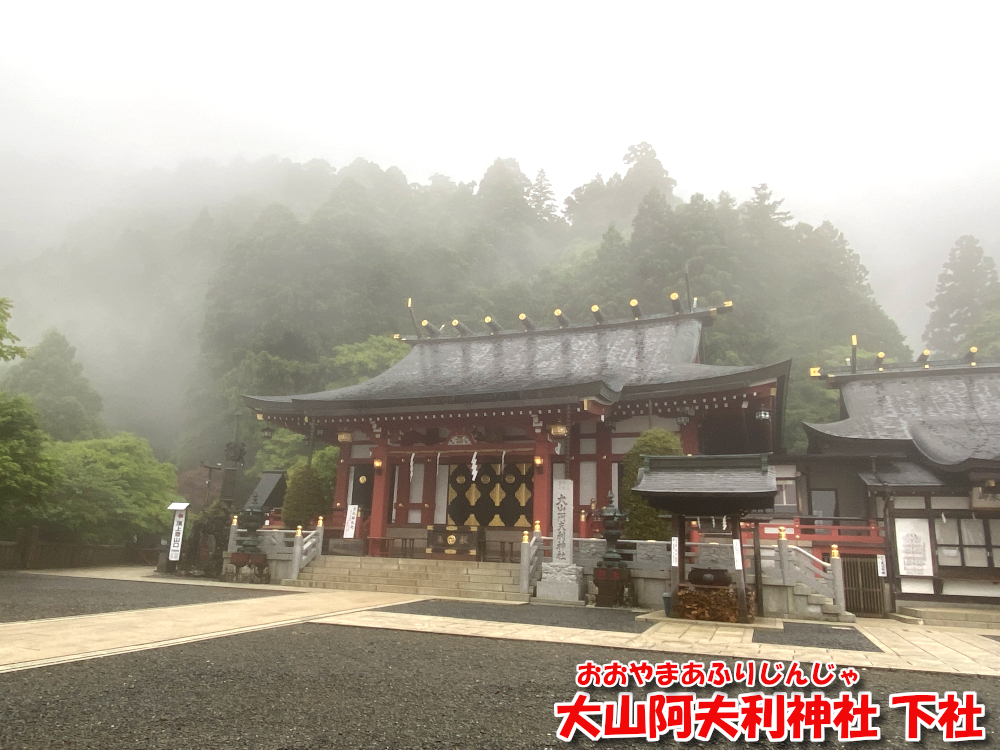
(561, 579)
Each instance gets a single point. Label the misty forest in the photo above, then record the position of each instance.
(126, 346)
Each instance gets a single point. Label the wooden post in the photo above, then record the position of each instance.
(343, 480)
(381, 501)
(541, 491)
(743, 614)
(679, 574)
(758, 571)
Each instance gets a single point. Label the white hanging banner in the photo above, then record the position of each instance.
(412, 456)
(738, 554)
(177, 535)
(475, 466)
(352, 521)
(883, 571)
(675, 558)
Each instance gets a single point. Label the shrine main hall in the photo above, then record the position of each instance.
(470, 429)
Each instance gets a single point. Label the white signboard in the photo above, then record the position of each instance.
(562, 521)
(738, 554)
(913, 547)
(675, 549)
(352, 521)
(177, 535)
(882, 570)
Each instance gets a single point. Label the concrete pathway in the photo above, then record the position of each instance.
(36, 643)
(907, 647)
(24, 645)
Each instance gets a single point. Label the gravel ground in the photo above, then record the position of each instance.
(809, 634)
(27, 596)
(588, 618)
(323, 686)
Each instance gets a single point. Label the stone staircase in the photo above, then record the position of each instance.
(443, 578)
(812, 606)
(986, 617)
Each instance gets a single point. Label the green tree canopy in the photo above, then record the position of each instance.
(302, 303)
(966, 285)
(325, 463)
(643, 521)
(283, 451)
(9, 348)
(305, 498)
(110, 489)
(27, 470)
(53, 379)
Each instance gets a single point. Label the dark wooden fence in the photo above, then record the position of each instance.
(30, 553)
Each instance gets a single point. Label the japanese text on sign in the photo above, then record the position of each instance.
(795, 715)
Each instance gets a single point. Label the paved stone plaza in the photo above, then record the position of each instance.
(203, 664)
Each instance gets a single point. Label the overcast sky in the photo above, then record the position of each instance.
(880, 117)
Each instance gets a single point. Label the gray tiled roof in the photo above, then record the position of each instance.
(707, 475)
(708, 482)
(901, 474)
(594, 361)
(953, 419)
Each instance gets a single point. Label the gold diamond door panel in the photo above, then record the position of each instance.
(500, 497)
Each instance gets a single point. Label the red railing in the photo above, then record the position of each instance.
(852, 535)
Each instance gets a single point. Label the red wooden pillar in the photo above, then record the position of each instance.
(429, 494)
(381, 500)
(541, 500)
(339, 513)
(402, 491)
(603, 437)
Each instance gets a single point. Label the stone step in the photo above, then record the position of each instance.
(384, 580)
(908, 619)
(955, 616)
(389, 588)
(422, 575)
(832, 609)
(980, 624)
(847, 617)
(445, 566)
(817, 599)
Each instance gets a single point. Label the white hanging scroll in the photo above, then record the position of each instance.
(352, 521)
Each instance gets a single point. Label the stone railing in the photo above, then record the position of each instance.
(532, 553)
(288, 551)
(797, 566)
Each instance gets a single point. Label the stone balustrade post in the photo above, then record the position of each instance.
(297, 553)
(525, 563)
(837, 568)
(234, 531)
(784, 559)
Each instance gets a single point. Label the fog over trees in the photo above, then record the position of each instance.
(157, 309)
